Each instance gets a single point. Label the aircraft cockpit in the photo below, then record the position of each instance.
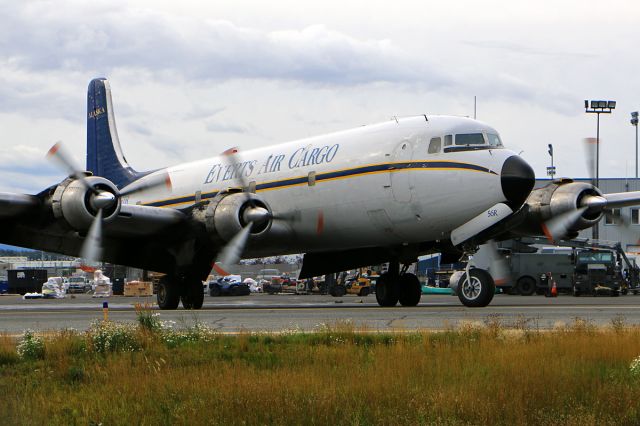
(465, 142)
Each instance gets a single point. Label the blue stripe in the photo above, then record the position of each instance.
(338, 174)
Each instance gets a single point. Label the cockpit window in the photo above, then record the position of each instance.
(494, 140)
(434, 145)
(448, 140)
(470, 139)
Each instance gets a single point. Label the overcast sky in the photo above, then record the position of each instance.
(191, 79)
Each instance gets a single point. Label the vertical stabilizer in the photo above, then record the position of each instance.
(104, 155)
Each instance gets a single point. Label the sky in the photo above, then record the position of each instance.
(190, 79)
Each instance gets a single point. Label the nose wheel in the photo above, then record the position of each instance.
(476, 288)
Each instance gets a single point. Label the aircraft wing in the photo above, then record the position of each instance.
(137, 235)
(15, 204)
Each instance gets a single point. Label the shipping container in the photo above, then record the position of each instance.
(23, 281)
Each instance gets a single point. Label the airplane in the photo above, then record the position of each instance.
(386, 192)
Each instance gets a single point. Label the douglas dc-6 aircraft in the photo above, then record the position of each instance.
(379, 193)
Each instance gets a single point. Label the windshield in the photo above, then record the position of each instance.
(494, 140)
(470, 139)
(595, 257)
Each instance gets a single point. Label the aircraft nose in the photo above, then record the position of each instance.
(517, 179)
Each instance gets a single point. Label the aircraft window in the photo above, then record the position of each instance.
(494, 140)
(434, 145)
(470, 139)
(448, 140)
(311, 178)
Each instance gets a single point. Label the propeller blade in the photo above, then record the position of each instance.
(231, 158)
(92, 246)
(557, 227)
(232, 252)
(154, 181)
(499, 267)
(59, 154)
(590, 147)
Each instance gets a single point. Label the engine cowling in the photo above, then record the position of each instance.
(75, 202)
(227, 215)
(556, 198)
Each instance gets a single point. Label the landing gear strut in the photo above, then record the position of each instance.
(398, 286)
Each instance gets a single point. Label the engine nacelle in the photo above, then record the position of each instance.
(225, 216)
(73, 201)
(559, 197)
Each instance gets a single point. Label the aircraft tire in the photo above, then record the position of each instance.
(193, 296)
(409, 291)
(479, 292)
(168, 296)
(387, 290)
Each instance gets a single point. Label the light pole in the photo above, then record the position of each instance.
(634, 122)
(551, 171)
(598, 107)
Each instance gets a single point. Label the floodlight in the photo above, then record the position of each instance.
(602, 104)
(586, 104)
(611, 105)
(634, 114)
(594, 104)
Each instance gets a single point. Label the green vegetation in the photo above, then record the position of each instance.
(149, 373)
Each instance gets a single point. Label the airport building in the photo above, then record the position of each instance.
(623, 225)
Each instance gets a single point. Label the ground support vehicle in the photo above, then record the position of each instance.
(228, 286)
(271, 280)
(526, 268)
(597, 272)
(358, 284)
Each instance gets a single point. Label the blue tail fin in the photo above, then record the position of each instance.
(104, 155)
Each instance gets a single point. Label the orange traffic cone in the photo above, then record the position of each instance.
(554, 290)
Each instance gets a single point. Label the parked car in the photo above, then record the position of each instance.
(228, 286)
(78, 285)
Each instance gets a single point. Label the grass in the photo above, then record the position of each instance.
(474, 374)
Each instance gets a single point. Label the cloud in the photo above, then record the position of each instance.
(40, 37)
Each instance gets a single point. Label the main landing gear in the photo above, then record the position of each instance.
(395, 286)
(174, 288)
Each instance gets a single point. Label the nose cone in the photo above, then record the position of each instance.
(517, 179)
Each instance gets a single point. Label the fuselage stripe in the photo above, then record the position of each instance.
(338, 174)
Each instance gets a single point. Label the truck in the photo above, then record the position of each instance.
(526, 268)
(597, 271)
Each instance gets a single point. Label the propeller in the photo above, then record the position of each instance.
(557, 227)
(100, 199)
(254, 214)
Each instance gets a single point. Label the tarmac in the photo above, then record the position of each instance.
(287, 312)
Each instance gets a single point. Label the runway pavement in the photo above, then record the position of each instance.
(262, 312)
